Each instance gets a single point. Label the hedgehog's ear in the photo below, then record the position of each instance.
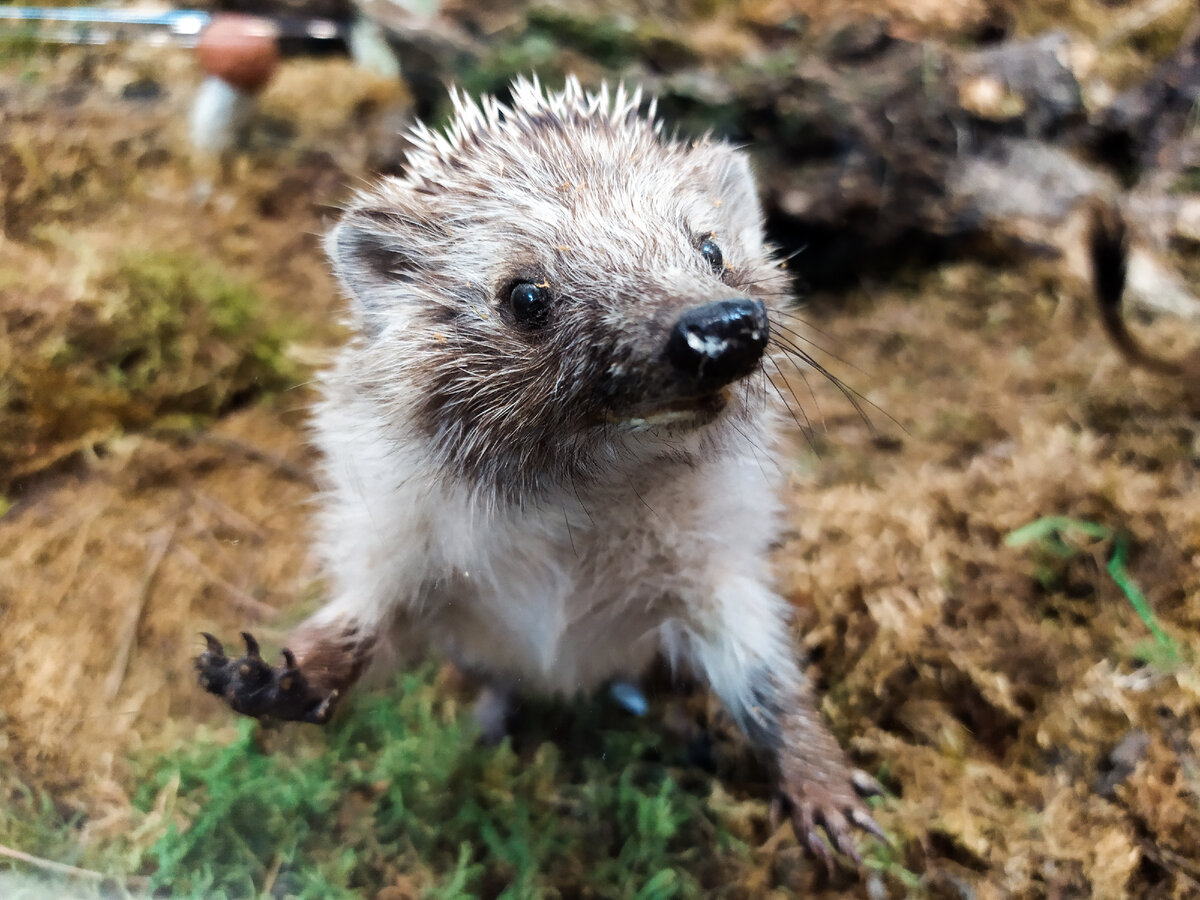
(739, 195)
(374, 256)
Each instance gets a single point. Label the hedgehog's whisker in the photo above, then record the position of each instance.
(759, 450)
(800, 336)
(805, 427)
(792, 312)
(801, 358)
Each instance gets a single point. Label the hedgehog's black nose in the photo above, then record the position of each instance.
(719, 342)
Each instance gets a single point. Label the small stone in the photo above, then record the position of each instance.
(1121, 762)
(143, 89)
(988, 98)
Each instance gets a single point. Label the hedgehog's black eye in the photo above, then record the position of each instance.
(712, 254)
(530, 304)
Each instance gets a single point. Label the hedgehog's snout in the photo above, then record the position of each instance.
(719, 342)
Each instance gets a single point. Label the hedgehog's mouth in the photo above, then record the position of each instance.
(686, 412)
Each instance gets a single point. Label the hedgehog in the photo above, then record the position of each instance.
(550, 448)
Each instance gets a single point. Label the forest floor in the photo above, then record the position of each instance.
(996, 570)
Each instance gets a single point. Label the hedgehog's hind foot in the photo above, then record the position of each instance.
(254, 688)
(492, 710)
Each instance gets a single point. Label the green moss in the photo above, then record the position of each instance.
(612, 43)
(609, 41)
(170, 320)
(400, 789)
(888, 860)
(19, 43)
(532, 52)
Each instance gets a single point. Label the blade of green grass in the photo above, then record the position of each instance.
(1047, 533)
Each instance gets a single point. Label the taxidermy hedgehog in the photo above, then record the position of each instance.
(547, 450)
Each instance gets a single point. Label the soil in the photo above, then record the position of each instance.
(1037, 740)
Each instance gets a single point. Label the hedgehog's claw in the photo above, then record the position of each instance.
(252, 650)
(321, 714)
(864, 821)
(252, 687)
(212, 666)
(865, 785)
(213, 646)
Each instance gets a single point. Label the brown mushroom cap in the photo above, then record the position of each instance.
(239, 49)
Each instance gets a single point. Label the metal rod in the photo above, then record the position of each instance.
(100, 25)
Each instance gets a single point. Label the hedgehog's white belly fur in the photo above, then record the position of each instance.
(557, 598)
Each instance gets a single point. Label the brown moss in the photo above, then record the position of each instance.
(154, 335)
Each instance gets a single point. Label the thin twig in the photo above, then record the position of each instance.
(1138, 19)
(51, 866)
(230, 518)
(239, 597)
(78, 551)
(272, 874)
(281, 463)
(116, 675)
(1171, 861)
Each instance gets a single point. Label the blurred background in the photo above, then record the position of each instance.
(993, 544)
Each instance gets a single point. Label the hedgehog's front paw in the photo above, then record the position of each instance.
(252, 687)
(836, 807)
